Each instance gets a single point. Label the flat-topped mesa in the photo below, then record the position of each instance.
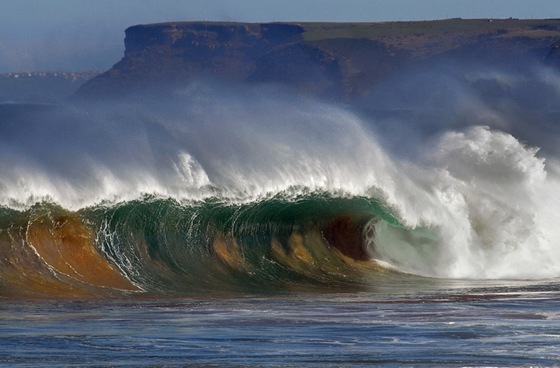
(325, 59)
(210, 34)
(177, 52)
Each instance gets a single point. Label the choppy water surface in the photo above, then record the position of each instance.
(462, 326)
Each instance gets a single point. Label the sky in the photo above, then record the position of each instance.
(83, 35)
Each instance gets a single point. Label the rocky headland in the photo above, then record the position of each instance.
(341, 60)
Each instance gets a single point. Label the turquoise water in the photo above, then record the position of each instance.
(515, 325)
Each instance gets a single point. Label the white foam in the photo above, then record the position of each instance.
(479, 204)
(492, 212)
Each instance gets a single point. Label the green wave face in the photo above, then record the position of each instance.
(254, 245)
(160, 245)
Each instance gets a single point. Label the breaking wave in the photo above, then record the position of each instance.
(214, 190)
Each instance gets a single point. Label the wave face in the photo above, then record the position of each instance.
(162, 246)
(254, 190)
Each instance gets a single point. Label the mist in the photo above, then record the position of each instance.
(263, 136)
(465, 158)
(249, 140)
(421, 104)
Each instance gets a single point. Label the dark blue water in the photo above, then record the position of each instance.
(484, 326)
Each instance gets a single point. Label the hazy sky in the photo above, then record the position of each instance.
(64, 35)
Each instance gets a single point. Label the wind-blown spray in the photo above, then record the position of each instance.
(211, 189)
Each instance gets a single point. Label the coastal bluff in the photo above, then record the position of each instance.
(341, 60)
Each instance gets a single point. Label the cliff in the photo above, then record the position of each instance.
(333, 59)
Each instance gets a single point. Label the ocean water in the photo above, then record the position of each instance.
(253, 227)
(507, 325)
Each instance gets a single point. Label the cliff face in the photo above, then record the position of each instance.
(228, 50)
(163, 54)
(334, 59)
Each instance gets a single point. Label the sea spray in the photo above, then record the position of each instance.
(248, 191)
(246, 150)
(488, 218)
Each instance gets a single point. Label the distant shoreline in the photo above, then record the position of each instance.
(41, 87)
